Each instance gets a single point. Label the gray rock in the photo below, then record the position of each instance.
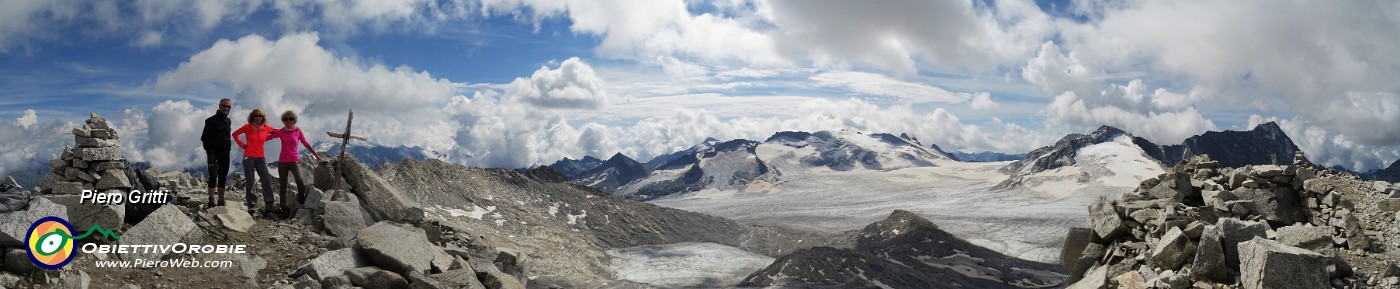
(1268, 171)
(1086, 260)
(99, 154)
(343, 218)
(1106, 221)
(91, 142)
(375, 278)
(1356, 237)
(1315, 238)
(1209, 262)
(1266, 263)
(17, 261)
(14, 225)
(1075, 241)
(118, 164)
(84, 216)
(1280, 206)
(113, 179)
(66, 188)
(383, 201)
(237, 220)
(9, 180)
(167, 225)
(493, 278)
(45, 184)
(399, 248)
(459, 278)
(1389, 205)
(1233, 231)
(1095, 279)
(419, 281)
(315, 199)
(333, 263)
(76, 279)
(1172, 249)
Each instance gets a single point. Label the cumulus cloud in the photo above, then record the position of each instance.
(572, 85)
(1331, 148)
(983, 101)
(877, 84)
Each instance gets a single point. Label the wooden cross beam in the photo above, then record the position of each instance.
(345, 141)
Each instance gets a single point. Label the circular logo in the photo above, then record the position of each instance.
(50, 242)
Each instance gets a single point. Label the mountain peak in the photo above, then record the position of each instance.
(1108, 131)
(1270, 127)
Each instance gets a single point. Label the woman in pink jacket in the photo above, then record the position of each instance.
(290, 156)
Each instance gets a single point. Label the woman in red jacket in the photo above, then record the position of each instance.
(256, 132)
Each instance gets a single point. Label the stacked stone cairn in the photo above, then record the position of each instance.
(1266, 226)
(95, 164)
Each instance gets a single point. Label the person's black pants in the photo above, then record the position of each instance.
(218, 169)
(295, 173)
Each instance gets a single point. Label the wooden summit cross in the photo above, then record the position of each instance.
(345, 141)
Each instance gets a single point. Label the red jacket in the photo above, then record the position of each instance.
(253, 148)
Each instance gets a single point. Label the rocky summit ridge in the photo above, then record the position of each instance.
(1202, 225)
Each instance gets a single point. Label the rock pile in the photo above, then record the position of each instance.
(95, 164)
(1269, 226)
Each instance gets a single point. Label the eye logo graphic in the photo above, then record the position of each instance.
(50, 242)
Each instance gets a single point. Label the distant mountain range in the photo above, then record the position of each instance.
(986, 156)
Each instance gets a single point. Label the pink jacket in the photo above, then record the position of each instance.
(289, 144)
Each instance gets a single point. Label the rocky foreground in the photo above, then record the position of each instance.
(1270, 226)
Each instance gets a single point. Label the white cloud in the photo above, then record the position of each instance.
(572, 85)
(983, 101)
(149, 39)
(29, 119)
(876, 84)
(1330, 148)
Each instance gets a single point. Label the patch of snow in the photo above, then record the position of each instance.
(686, 265)
(573, 219)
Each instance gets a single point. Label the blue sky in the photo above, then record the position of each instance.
(519, 82)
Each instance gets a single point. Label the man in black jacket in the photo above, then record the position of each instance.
(218, 141)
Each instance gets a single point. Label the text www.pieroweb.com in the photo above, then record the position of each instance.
(173, 263)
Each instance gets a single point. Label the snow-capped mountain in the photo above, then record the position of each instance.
(376, 156)
(738, 164)
(1266, 144)
(572, 168)
(986, 156)
(904, 251)
(609, 175)
(726, 165)
(1108, 156)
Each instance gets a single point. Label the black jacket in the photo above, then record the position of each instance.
(218, 133)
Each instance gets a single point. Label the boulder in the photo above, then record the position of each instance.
(167, 225)
(375, 278)
(1209, 262)
(1086, 260)
(99, 154)
(1351, 228)
(1131, 280)
(419, 281)
(1106, 221)
(493, 278)
(1075, 241)
(84, 216)
(14, 225)
(1233, 231)
(1266, 263)
(113, 179)
(17, 261)
(1315, 238)
(66, 188)
(396, 247)
(383, 201)
(343, 218)
(459, 278)
(1095, 279)
(234, 219)
(1172, 249)
(1281, 206)
(332, 263)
